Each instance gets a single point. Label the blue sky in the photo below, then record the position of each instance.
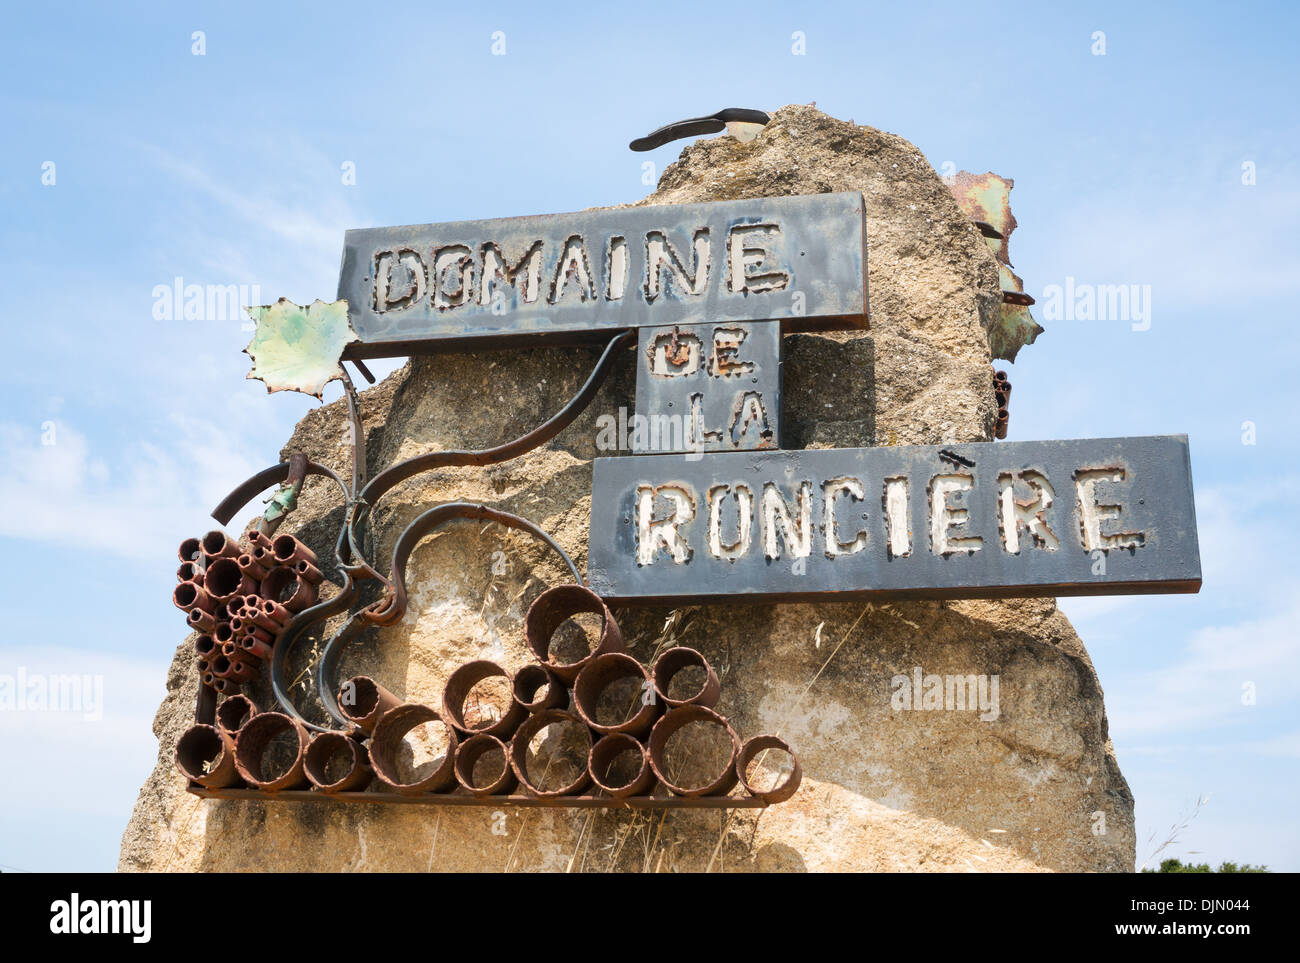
(225, 168)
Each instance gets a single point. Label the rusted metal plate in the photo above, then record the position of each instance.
(708, 387)
(567, 277)
(986, 198)
(1083, 517)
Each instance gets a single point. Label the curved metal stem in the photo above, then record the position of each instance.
(428, 522)
(358, 500)
(391, 477)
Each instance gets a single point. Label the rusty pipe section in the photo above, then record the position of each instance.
(191, 550)
(307, 572)
(758, 749)
(362, 701)
(620, 781)
(536, 687)
(336, 762)
(597, 679)
(469, 720)
(233, 712)
(673, 722)
(1002, 397)
(232, 669)
(252, 566)
(289, 551)
(499, 778)
(206, 755)
(251, 745)
(223, 580)
(217, 544)
(675, 660)
(254, 648)
(386, 745)
(190, 595)
(554, 607)
(285, 587)
(521, 743)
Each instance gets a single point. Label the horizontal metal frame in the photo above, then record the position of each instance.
(454, 799)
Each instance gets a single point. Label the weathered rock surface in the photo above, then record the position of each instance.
(884, 789)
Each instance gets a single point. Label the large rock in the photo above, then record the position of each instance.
(1037, 787)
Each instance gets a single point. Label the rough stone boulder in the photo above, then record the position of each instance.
(884, 788)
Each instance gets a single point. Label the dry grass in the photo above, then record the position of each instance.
(1175, 831)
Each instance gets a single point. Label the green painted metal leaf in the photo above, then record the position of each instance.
(298, 348)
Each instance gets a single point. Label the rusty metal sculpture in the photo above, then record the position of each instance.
(486, 756)
(240, 599)
(253, 600)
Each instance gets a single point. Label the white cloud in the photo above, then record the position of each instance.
(67, 493)
(292, 229)
(70, 761)
(1205, 687)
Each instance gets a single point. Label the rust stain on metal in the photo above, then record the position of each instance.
(986, 199)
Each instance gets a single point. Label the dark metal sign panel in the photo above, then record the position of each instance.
(1084, 517)
(708, 387)
(567, 277)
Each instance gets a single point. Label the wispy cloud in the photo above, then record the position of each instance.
(1204, 687)
(282, 229)
(128, 504)
(63, 752)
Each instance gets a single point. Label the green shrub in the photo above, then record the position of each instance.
(1178, 866)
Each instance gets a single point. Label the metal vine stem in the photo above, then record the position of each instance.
(359, 498)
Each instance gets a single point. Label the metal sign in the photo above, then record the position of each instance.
(567, 277)
(1085, 517)
(709, 387)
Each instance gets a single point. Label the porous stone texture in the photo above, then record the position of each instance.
(1036, 788)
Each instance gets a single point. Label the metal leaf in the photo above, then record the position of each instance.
(986, 199)
(298, 348)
